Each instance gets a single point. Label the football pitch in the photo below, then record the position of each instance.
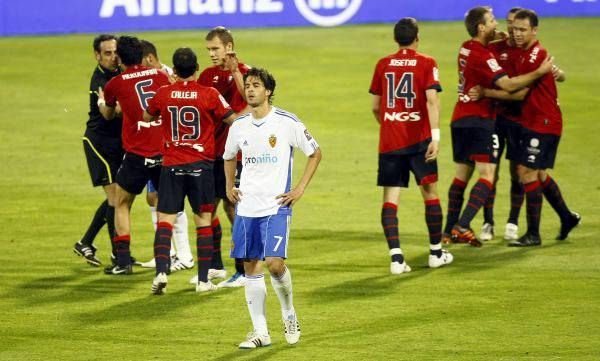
(494, 303)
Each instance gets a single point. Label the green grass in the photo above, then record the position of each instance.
(493, 303)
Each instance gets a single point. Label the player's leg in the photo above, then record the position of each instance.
(162, 248)
(256, 299)
(517, 197)
(533, 197)
(433, 218)
(216, 267)
(487, 229)
(238, 279)
(183, 258)
(392, 174)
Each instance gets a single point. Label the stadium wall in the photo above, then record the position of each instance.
(29, 17)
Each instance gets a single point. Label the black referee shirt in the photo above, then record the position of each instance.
(96, 122)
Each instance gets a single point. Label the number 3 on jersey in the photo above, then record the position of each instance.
(187, 117)
(404, 90)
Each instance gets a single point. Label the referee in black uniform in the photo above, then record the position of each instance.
(102, 146)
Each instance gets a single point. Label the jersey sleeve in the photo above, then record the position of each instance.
(220, 108)
(375, 88)
(432, 74)
(154, 103)
(301, 138)
(489, 69)
(203, 79)
(231, 145)
(110, 93)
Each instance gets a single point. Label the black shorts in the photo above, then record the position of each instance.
(394, 169)
(104, 156)
(136, 171)
(219, 171)
(196, 181)
(538, 151)
(475, 144)
(509, 137)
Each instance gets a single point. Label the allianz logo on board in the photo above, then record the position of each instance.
(343, 10)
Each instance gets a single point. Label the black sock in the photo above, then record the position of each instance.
(517, 196)
(239, 266)
(162, 246)
(110, 225)
(554, 197)
(217, 260)
(204, 248)
(488, 207)
(533, 194)
(97, 223)
(477, 198)
(389, 222)
(433, 218)
(456, 195)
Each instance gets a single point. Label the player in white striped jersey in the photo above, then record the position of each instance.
(266, 138)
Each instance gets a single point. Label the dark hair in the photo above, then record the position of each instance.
(148, 48)
(265, 77)
(515, 10)
(474, 17)
(100, 38)
(185, 62)
(406, 31)
(528, 14)
(129, 49)
(222, 33)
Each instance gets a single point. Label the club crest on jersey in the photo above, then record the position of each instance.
(272, 140)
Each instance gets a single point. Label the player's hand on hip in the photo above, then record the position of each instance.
(291, 197)
(432, 151)
(234, 195)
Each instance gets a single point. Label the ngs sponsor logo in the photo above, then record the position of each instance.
(318, 12)
(402, 116)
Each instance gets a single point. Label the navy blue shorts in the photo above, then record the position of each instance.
(538, 150)
(196, 183)
(394, 170)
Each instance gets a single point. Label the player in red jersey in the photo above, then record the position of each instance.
(133, 88)
(406, 105)
(189, 114)
(541, 119)
(474, 142)
(226, 75)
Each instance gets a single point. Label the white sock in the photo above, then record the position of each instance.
(154, 216)
(181, 238)
(256, 295)
(283, 289)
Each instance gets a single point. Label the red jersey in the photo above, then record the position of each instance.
(476, 66)
(540, 111)
(223, 81)
(133, 89)
(401, 80)
(189, 114)
(507, 56)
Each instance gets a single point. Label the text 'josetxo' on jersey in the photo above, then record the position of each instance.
(401, 80)
(189, 114)
(267, 147)
(133, 89)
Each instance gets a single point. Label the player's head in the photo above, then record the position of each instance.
(406, 31)
(130, 50)
(150, 55)
(525, 27)
(510, 17)
(185, 62)
(480, 23)
(105, 50)
(219, 41)
(259, 86)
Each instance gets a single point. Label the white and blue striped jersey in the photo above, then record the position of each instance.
(267, 147)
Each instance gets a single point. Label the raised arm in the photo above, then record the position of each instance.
(513, 84)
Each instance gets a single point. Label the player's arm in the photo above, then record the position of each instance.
(233, 194)
(375, 107)
(230, 118)
(232, 63)
(107, 111)
(294, 195)
(433, 109)
(477, 92)
(521, 81)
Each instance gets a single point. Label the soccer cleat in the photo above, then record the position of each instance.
(159, 284)
(291, 329)
(464, 235)
(397, 268)
(446, 238)
(568, 225)
(237, 280)
(216, 273)
(444, 259)
(255, 340)
(87, 252)
(511, 232)
(194, 280)
(179, 265)
(118, 270)
(487, 232)
(526, 240)
(205, 286)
